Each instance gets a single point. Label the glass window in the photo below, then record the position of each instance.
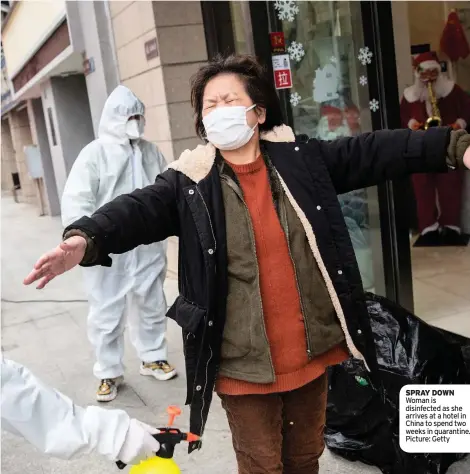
(329, 99)
(241, 25)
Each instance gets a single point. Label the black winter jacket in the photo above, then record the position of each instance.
(186, 201)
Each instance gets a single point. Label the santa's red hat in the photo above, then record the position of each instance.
(330, 110)
(427, 60)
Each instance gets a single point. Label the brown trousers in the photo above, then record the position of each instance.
(279, 433)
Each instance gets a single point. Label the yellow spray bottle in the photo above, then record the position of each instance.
(168, 438)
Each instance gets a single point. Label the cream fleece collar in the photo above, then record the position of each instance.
(196, 164)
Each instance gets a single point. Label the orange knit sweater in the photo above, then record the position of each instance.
(279, 294)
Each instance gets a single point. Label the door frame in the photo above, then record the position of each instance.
(382, 79)
(377, 23)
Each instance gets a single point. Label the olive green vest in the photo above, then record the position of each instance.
(245, 348)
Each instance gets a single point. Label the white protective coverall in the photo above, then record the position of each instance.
(52, 423)
(106, 168)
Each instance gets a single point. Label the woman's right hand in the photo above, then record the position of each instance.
(60, 260)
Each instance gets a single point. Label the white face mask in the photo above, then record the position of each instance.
(227, 128)
(134, 129)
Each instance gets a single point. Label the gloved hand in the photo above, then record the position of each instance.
(413, 124)
(458, 151)
(139, 443)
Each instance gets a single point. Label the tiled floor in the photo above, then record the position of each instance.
(441, 283)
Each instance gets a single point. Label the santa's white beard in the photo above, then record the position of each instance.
(421, 89)
(441, 87)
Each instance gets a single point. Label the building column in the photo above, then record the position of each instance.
(98, 48)
(21, 137)
(182, 45)
(8, 157)
(133, 27)
(183, 50)
(48, 183)
(161, 80)
(38, 183)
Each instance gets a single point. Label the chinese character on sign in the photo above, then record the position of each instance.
(283, 79)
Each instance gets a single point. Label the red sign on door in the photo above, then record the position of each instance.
(283, 79)
(278, 43)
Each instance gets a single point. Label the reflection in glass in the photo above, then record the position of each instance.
(330, 99)
(241, 25)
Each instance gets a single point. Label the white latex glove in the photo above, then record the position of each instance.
(52, 423)
(139, 444)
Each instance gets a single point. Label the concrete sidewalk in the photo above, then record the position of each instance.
(46, 331)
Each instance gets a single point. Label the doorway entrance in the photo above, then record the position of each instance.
(440, 257)
(340, 87)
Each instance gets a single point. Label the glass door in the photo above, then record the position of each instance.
(330, 98)
(342, 85)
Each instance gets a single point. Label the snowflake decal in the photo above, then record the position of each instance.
(286, 9)
(363, 80)
(295, 99)
(365, 56)
(296, 51)
(374, 105)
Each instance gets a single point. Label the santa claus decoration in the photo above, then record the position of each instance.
(338, 122)
(434, 100)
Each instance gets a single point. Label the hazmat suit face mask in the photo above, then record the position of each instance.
(135, 128)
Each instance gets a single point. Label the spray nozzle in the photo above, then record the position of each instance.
(169, 437)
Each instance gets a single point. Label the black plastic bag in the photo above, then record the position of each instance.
(362, 414)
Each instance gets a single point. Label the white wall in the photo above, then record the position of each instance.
(99, 45)
(27, 28)
(401, 33)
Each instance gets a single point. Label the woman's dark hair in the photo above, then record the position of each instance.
(258, 86)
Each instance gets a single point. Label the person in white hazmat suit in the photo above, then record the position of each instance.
(52, 423)
(118, 162)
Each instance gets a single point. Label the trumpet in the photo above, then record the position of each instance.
(435, 119)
